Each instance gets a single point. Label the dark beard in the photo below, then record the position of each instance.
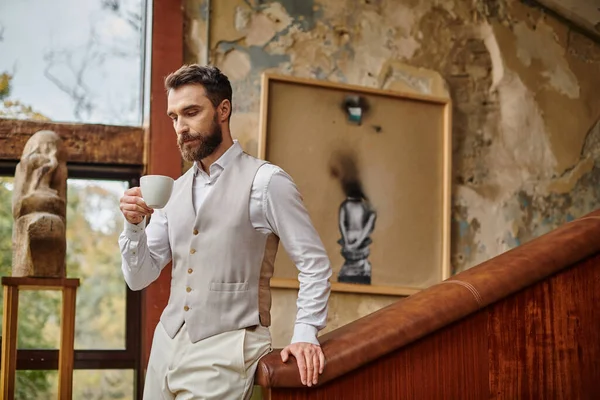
(207, 145)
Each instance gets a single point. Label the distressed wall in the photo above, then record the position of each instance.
(525, 90)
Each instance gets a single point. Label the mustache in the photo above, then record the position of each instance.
(184, 137)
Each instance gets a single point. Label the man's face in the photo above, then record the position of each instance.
(195, 121)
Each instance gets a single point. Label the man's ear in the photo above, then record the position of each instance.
(224, 110)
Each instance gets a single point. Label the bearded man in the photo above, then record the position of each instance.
(221, 230)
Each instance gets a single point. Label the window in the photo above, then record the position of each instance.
(83, 62)
(72, 60)
(87, 384)
(93, 227)
(106, 326)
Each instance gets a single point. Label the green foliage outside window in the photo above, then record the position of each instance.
(93, 227)
(14, 108)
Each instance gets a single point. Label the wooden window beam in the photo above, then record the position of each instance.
(85, 143)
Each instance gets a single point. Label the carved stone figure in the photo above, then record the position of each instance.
(39, 208)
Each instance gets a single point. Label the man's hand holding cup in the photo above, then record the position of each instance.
(156, 191)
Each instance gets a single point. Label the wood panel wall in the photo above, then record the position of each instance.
(540, 343)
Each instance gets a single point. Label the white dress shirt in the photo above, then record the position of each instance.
(275, 206)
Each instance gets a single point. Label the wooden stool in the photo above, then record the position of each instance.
(12, 285)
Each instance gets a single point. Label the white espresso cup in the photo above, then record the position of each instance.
(156, 190)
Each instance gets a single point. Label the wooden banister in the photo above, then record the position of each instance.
(461, 313)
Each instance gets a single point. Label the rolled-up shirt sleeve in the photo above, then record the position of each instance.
(289, 219)
(145, 250)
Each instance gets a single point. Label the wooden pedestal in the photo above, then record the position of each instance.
(12, 286)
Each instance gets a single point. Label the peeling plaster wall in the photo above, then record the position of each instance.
(525, 90)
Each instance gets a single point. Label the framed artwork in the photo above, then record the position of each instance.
(373, 168)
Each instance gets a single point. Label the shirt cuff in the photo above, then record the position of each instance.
(133, 231)
(305, 333)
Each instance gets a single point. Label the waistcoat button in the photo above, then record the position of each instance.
(195, 231)
(192, 251)
(188, 289)
(185, 308)
(190, 270)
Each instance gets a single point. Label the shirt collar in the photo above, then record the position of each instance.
(221, 162)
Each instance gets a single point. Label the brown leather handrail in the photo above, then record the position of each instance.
(403, 322)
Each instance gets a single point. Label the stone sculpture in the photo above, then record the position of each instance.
(39, 208)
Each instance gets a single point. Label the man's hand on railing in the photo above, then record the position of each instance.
(310, 360)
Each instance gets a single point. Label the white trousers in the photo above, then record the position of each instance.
(219, 367)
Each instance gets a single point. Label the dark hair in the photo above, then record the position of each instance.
(215, 83)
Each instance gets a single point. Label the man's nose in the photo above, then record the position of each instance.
(181, 127)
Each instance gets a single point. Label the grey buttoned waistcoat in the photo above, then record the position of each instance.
(222, 266)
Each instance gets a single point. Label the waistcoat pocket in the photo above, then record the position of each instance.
(229, 286)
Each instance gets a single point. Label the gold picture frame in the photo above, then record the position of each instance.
(400, 146)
